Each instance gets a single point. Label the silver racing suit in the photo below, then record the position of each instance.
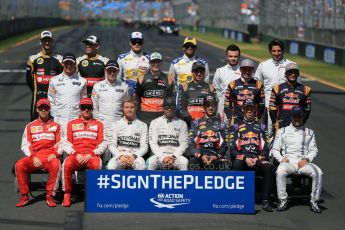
(127, 138)
(168, 138)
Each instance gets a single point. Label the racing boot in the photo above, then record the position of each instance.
(50, 201)
(24, 200)
(66, 200)
(314, 207)
(282, 205)
(267, 206)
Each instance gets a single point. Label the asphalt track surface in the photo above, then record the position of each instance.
(327, 119)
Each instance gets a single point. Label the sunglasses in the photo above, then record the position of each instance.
(86, 107)
(189, 46)
(137, 42)
(45, 108)
(289, 72)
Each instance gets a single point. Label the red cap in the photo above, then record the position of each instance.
(86, 101)
(43, 101)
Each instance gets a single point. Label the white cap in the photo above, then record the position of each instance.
(155, 56)
(136, 35)
(46, 34)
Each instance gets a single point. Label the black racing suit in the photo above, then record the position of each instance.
(283, 98)
(238, 91)
(39, 69)
(92, 69)
(208, 136)
(150, 92)
(192, 100)
(248, 140)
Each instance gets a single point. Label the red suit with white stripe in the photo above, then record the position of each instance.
(83, 137)
(40, 139)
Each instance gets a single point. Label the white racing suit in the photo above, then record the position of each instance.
(64, 95)
(296, 144)
(221, 81)
(107, 100)
(168, 138)
(127, 138)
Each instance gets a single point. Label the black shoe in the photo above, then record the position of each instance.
(267, 206)
(314, 207)
(282, 206)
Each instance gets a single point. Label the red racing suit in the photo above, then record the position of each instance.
(39, 69)
(83, 137)
(92, 69)
(40, 139)
(283, 98)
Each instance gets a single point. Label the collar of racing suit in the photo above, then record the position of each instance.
(297, 128)
(230, 67)
(168, 120)
(44, 123)
(129, 122)
(136, 55)
(187, 59)
(278, 62)
(248, 122)
(117, 82)
(44, 55)
(92, 58)
(75, 75)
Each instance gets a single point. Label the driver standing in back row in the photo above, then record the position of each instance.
(91, 65)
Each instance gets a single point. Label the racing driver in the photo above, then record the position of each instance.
(41, 143)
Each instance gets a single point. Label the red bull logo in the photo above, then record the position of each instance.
(291, 95)
(246, 92)
(208, 133)
(250, 135)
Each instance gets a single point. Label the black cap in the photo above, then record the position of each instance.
(91, 39)
(169, 102)
(198, 65)
(297, 111)
(68, 57)
(248, 102)
(112, 64)
(210, 100)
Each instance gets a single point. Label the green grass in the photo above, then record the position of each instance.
(11, 41)
(330, 73)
